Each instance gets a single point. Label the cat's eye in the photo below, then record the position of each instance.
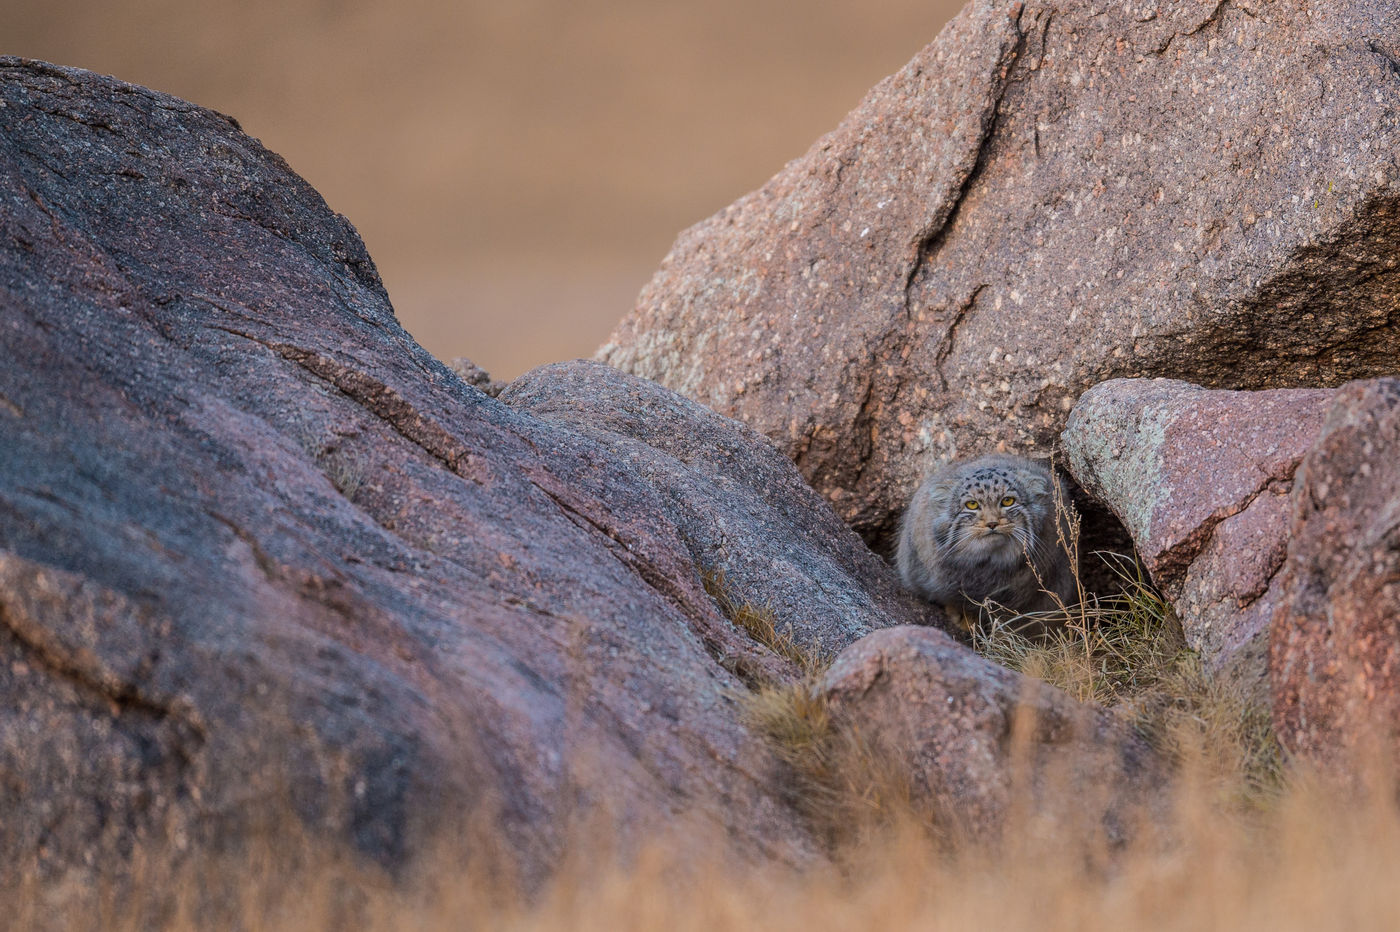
(972, 505)
(1008, 501)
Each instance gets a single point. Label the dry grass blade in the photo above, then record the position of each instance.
(760, 622)
(846, 788)
(1126, 651)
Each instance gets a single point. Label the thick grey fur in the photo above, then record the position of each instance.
(961, 557)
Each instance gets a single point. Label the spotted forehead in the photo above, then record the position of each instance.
(988, 481)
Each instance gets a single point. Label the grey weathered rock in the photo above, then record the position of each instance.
(739, 505)
(1334, 653)
(260, 552)
(1201, 480)
(983, 744)
(1046, 197)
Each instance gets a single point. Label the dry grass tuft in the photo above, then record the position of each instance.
(345, 471)
(344, 468)
(758, 621)
(1126, 651)
(846, 788)
(1105, 649)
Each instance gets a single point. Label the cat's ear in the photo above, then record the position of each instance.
(943, 485)
(942, 490)
(1036, 485)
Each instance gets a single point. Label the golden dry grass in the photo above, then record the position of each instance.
(758, 621)
(849, 790)
(1319, 859)
(1126, 651)
(1317, 863)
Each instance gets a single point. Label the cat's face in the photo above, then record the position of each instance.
(992, 512)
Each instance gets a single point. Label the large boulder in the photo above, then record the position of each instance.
(1201, 480)
(1046, 197)
(262, 554)
(1334, 652)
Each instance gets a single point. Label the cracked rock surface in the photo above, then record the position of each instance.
(739, 505)
(1201, 480)
(1046, 197)
(261, 555)
(1334, 652)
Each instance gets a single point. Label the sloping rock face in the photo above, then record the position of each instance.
(1334, 653)
(261, 552)
(982, 743)
(742, 510)
(1044, 198)
(1201, 479)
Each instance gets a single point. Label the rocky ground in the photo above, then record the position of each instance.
(258, 549)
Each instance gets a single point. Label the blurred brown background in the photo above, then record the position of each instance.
(518, 168)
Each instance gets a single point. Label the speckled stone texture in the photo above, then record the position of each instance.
(1048, 196)
(739, 505)
(981, 742)
(1334, 653)
(1201, 480)
(265, 561)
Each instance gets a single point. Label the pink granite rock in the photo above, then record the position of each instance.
(268, 569)
(1334, 653)
(981, 742)
(738, 504)
(1046, 197)
(1201, 480)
